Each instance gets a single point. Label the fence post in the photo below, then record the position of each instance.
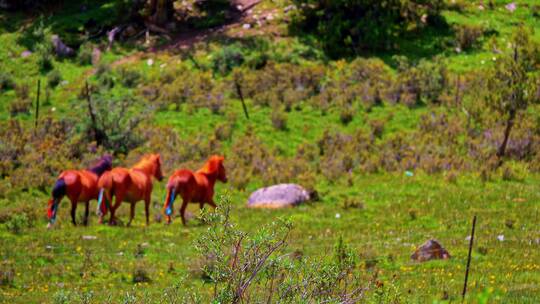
(241, 95)
(37, 104)
(468, 260)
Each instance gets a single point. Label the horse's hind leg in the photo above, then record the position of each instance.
(86, 212)
(131, 214)
(119, 197)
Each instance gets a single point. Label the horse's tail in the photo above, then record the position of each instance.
(58, 192)
(169, 201)
(106, 188)
(180, 183)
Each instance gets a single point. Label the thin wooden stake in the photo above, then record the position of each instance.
(37, 104)
(458, 89)
(468, 260)
(239, 91)
(98, 134)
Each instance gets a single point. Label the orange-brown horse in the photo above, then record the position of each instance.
(130, 185)
(80, 186)
(196, 187)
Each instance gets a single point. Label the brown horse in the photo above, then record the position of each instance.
(130, 185)
(195, 187)
(80, 186)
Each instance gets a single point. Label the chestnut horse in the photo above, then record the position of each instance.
(80, 186)
(196, 187)
(130, 185)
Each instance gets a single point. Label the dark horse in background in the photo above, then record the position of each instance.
(80, 186)
(196, 187)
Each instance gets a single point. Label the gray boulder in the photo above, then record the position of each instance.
(278, 196)
(60, 49)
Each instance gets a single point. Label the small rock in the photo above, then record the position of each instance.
(49, 247)
(500, 237)
(246, 26)
(511, 7)
(338, 215)
(150, 62)
(26, 53)
(145, 245)
(89, 237)
(430, 250)
(60, 49)
(409, 173)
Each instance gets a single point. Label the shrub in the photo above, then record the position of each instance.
(279, 119)
(467, 36)
(54, 78)
(84, 56)
(258, 266)
(514, 171)
(6, 81)
(22, 104)
(346, 27)
(223, 131)
(17, 223)
(140, 274)
(377, 127)
(129, 77)
(227, 58)
(104, 76)
(7, 274)
(346, 114)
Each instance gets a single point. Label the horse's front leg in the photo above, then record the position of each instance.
(183, 210)
(147, 210)
(73, 212)
(212, 203)
(86, 213)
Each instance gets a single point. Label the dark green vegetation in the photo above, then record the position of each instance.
(453, 102)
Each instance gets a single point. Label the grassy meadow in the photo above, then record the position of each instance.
(391, 172)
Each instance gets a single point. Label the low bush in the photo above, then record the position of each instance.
(279, 119)
(54, 78)
(129, 77)
(6, 81)
(17, 223)
(467, 36)
(227, 58)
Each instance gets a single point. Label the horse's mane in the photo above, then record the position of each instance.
(146, 160)
(103, 164)
(212, 165)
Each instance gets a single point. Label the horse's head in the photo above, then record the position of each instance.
(158, 174)
(104, 164)
(107, 162)
(218, 164)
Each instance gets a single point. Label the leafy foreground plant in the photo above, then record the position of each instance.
(257, 268)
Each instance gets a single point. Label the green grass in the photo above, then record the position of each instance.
(399, 212)
(384, 230)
